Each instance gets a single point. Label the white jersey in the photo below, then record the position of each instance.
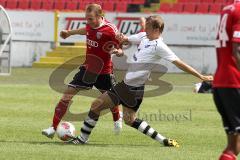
(145, 58)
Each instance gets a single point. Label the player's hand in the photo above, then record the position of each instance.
(121, 37)
(117, 52)
(207, 78)
(64, 34)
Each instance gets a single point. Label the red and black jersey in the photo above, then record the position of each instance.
(99, 41)
(227, 74)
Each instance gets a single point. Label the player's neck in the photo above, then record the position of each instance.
(100, 24)
(154, 37)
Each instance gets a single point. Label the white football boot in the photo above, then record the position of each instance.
(49, 132)
(118, 125)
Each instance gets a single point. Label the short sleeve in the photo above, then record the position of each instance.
(236, 33)
(236, 25)
(113, 32)
(136, 38)
(166, 53)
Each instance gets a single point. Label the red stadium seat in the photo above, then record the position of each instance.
(230, 1)
(215, 8)
(59, 5)
(220, 1)
(137, 2)
(189, 8)
(72, 5)
(108, 6)
(47, 5)
(3, 3)
(193, 1)
(202, 8)
(11, 4)
(23, 4)
(182, 1)
(165, 7)
(82, 5)
(121, 7)
(36, 4)
(207, 1)
(177, 8)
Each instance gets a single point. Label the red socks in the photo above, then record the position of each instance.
(60, 111)
(227, 155)
(115, 113)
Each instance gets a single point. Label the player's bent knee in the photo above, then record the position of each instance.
(97, 105)
(128, 120)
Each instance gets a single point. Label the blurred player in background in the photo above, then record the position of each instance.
(226, 84)
(130, 92)
(97, 69)
(142, 23)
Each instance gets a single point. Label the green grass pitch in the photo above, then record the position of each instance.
(27, 104)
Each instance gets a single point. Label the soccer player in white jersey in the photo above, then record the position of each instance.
(130, 91)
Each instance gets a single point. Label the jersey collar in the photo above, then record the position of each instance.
(102, 24)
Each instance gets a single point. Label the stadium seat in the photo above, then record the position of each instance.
(177, 8)
(82, 5)
(121, 7)
(3, 3)
(23, 4)
(182, 1)
(220, 1)
(59, 5)
(11, 4)
(165, 7)
(189, 8)
(72, 5)
(207, 1)
(47, 5)
(193, 1)
(108, 6)
(202, 8)
(137, 2)
(36, 4)
(215, 8)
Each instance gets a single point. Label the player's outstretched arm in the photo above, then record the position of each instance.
(236, 53)
(118, 52)
(186, 68)
(121, 38)
(67, 33)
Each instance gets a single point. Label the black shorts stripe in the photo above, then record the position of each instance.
(154, 134)
(88, 125)
(146, 129)
(84, 131)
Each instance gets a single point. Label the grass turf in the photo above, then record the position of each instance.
(27, 104)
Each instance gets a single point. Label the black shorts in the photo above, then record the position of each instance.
(87, 80)
(128, 96)
(227, 101)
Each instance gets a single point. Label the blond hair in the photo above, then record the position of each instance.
(96, 8)
(156, 22)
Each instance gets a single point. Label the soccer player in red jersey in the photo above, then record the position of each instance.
(97, 69)
(226, 82)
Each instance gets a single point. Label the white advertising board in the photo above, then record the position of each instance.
(179, 29)
(32, 26)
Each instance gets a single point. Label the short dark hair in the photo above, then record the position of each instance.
(95, 8)
(156, 22)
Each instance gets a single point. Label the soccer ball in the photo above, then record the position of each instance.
(65, 131)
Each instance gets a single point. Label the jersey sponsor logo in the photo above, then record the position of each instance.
(147, 46)
(92, 43)
(75, 23)
(99, 35)
(128, 25)
(236, 34)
